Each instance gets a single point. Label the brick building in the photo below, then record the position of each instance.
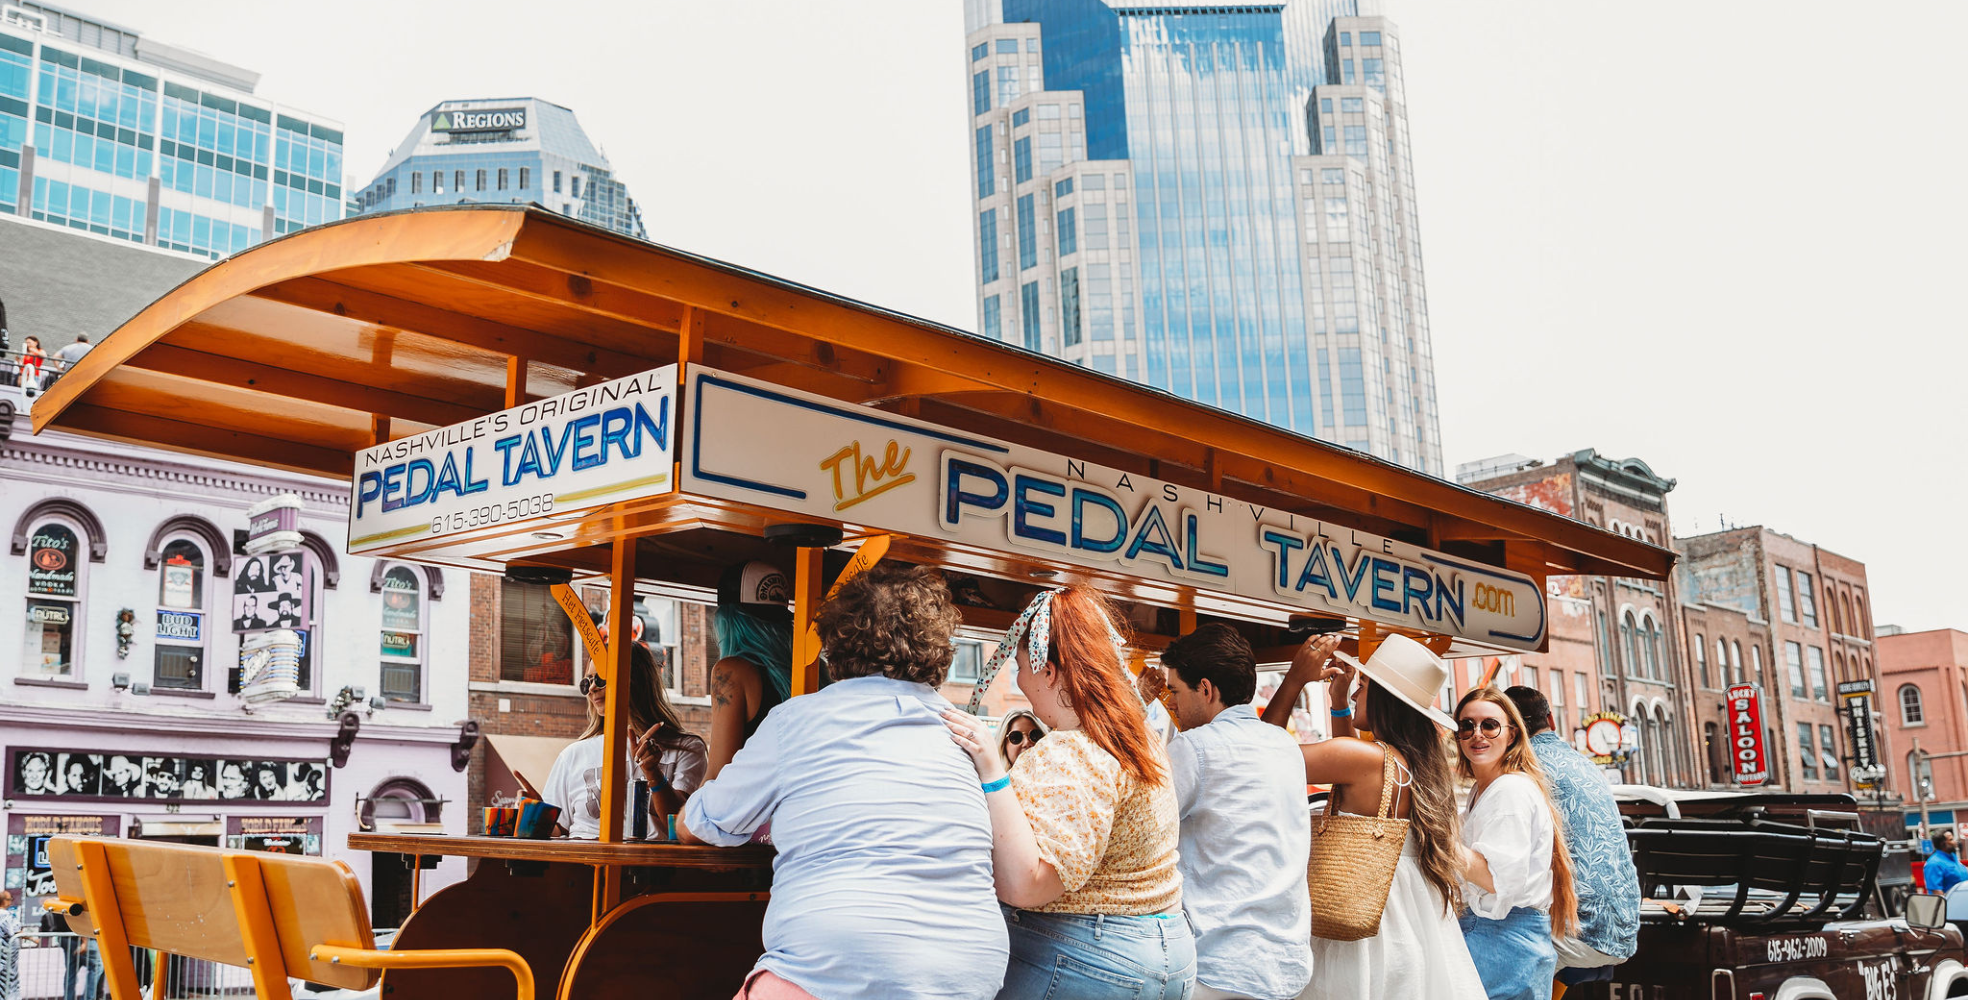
(1814, 609)
(526, 666)
(1615, 643)
(1923, 695)
(1725, 645)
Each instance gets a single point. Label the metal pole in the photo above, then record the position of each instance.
(1913, 775)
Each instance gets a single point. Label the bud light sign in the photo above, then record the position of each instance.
(1747, 752)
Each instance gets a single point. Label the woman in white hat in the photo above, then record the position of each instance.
(1419, 950)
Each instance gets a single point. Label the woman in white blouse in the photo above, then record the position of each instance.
(1517, 876)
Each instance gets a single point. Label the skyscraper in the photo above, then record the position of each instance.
(1215, 199)
(112, 132)
(516, 150)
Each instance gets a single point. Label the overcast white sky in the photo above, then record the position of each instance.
(1714, 236)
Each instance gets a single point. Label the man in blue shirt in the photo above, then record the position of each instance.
(1943, 869)
(1602, 863)
(1246, 829)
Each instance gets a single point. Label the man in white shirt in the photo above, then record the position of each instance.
(1246, 830)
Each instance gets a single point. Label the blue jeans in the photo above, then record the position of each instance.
(1078, 956)
(1514, 955)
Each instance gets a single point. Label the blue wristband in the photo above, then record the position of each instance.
(996, 786)
(1343, 713)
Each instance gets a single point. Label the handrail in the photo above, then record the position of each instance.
(430, 958)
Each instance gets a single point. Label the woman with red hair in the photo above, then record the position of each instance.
(1084, 828)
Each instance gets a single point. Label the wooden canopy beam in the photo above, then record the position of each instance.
(201, 366)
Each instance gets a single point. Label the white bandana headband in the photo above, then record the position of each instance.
(1034, 626)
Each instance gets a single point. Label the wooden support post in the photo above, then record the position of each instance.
(616, 735)
(515, 381)
(111, 939)
(806, 603)
(249, 906)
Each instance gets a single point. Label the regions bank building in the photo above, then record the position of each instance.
(519, 151)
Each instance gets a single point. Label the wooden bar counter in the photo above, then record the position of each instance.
(687, 926)
(586, 852)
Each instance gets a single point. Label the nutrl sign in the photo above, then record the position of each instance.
(1746, 748)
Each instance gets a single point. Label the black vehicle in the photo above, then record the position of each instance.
(1762, 896)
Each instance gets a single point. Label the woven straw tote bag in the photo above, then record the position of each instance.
(1352, 864)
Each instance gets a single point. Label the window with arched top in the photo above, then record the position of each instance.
(1861, 624)
(1630, 639)
(1716, 752)
(402, 644)
(1651, 631)
(1913, 709)
(1851, 621)
(180, 649)
(1701, 660)
(1736, 662)
(1831, 608)
(57, 573)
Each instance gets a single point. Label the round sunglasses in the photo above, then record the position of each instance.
(1466, 729)
(1019, 737)
(594, 683)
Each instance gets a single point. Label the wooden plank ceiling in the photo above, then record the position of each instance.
(300, 351)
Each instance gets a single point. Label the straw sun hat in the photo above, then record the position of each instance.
(1406, 669)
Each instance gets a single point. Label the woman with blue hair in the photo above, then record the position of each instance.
(754, 671)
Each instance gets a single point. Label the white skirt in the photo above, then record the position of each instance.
(1418, 953)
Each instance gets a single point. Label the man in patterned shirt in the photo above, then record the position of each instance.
(1602, 863)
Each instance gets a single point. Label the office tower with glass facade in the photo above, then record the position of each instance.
(517, 150)
(105, 130)
(1214, 199)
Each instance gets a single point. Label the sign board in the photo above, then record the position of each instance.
(1747, 752)
(1865, 742)
(491, 120)
(95, 776)
(584, 626)
(28, 873)
(600, 445)
(181, 626)
(274, 834)
(761, 444)
(51, 555)
(1849, 688)
(273, 591)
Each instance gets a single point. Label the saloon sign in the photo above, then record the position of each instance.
(759, 443)
(1747, 752)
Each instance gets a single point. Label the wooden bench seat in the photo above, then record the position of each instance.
(277, 915)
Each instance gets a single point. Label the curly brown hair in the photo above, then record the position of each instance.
(895, 620)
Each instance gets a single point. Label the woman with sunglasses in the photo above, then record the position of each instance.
(1517, 876)
(1418, 951)
(669, 758)
(1084, 831)
(1018, 732)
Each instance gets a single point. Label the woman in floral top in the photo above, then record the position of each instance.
(1084, 829)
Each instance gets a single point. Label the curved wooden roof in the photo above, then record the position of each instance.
(302, 350)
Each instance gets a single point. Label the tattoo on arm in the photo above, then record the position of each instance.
(724, 689)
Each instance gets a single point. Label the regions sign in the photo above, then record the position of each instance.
(758, 443)
(1747, 752)
(600, 445)
(491, 120)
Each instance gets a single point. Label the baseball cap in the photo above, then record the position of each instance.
(754, 583)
